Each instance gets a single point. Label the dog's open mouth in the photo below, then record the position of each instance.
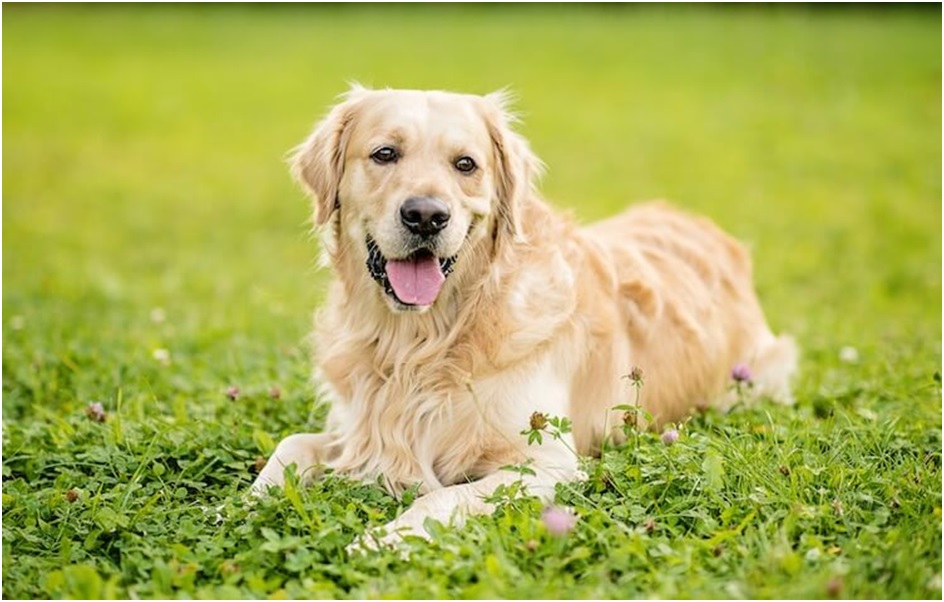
(413, 280)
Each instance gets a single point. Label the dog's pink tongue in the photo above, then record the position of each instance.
(415, 281)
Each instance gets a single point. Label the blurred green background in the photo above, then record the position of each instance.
(156, 251)
(144, 147)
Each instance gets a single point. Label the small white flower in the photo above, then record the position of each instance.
(157, 315)
(216, 512)
(161, 355)
(17, 322)
(849, 355)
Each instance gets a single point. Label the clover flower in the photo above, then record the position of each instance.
(162, 356)
(741, 373)
(538, 421)
(849, 355)
(96, 411)
(558, 521)
(670, 436)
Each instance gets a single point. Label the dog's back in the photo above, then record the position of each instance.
(689, 310)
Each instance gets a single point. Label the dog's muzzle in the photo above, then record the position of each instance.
(414, 281)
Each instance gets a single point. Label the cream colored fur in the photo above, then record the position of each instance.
(540, 315)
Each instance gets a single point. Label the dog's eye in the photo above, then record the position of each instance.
(465, 164)
(385, 154)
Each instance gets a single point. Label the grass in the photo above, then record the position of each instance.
(156, 254)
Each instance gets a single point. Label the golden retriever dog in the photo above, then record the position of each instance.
(463, 304)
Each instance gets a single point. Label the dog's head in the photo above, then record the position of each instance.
(413, 181)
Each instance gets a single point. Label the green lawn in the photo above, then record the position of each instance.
(156, 254)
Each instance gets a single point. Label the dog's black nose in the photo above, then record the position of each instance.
(424, 215)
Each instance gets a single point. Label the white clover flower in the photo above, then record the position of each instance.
(849, 355)
(158, 315)
(161, 355)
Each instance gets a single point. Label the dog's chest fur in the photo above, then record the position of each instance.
(407, 404)
(402, 404)
(395, 432)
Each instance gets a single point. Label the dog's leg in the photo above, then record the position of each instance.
(307, 452)
(770, 367)
(540, 388)
(555, 463)
(774, 366)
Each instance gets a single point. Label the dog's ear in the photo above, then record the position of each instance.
(318, 163)
(517, 167)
